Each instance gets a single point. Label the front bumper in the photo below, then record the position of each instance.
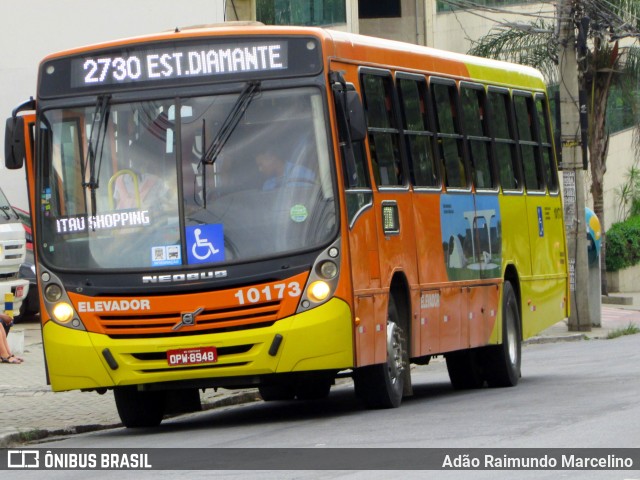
(320, 339)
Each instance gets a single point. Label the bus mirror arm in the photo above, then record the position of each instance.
(350, 107)
(347, 101)
(357, 123)
(14, 139)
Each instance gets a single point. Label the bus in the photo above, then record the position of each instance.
(246, 206)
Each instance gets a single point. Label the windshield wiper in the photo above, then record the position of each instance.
(95, 145)
(210, 155)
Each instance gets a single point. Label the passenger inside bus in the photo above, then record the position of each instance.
(145, 184)
(279, 172)
(142, 186)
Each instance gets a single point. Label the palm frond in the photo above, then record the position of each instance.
(532, 44)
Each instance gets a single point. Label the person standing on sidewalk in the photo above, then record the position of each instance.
(5, 353)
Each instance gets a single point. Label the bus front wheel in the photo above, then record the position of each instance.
(382, 385)
(138, 409)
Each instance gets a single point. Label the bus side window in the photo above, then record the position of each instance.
(383, 134)
(500, 114)
(474, 120)
(67, 170)
(418, 137)
(528, 141)
(444, 94)
(546, 147)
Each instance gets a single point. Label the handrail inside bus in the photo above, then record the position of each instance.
(112, 181)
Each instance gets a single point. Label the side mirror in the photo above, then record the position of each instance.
(357, 122)
(14, 145)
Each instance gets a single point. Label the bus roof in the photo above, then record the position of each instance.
(354, 48)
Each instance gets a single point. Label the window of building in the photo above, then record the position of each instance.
(379, 8)
(419, 138)
(299, 12)
(449, 5)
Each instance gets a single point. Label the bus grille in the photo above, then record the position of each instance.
(211, 320)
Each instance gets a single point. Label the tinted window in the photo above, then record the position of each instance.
(527, 134)
(448, 133)
(418, 137)
(475, 128)
(383, 134)
(508, 174)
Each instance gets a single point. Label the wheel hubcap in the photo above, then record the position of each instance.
(394, 351)
(511, 340)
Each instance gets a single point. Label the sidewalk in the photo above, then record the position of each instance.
(30, 410)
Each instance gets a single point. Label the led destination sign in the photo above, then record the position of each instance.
(214, 59)
(178, 62)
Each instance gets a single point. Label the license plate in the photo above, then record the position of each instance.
(192, 356)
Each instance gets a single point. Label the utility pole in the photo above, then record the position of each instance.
(573, 173)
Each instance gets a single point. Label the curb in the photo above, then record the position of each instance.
(564, 338)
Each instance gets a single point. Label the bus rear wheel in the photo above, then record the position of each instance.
(139, 409)
(382, 385)
(502, 362)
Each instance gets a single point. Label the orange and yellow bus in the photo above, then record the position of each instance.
(276, 207)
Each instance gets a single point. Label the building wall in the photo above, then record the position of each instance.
(407, 28)
(455, 30)
(620, 159)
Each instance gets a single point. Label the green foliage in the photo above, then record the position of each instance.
(630, 329)
(628, 194)
(623, 244)
(533, 44)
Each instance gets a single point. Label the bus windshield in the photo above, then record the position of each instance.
(130, 185)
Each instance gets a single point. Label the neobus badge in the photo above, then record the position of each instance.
(184, 277)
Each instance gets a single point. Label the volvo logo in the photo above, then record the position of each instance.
(188, 319)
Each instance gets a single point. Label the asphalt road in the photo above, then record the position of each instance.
(572, 395)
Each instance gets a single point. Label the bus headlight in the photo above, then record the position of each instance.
(63, 312)
(328, 269)
(323, 278)
(318, 291)
(53, 292)
(58, 305)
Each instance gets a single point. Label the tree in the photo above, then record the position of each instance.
(609, 57)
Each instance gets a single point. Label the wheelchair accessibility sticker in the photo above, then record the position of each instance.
(205, 243)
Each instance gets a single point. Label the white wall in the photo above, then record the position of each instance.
(619, 160)
(35, 28)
